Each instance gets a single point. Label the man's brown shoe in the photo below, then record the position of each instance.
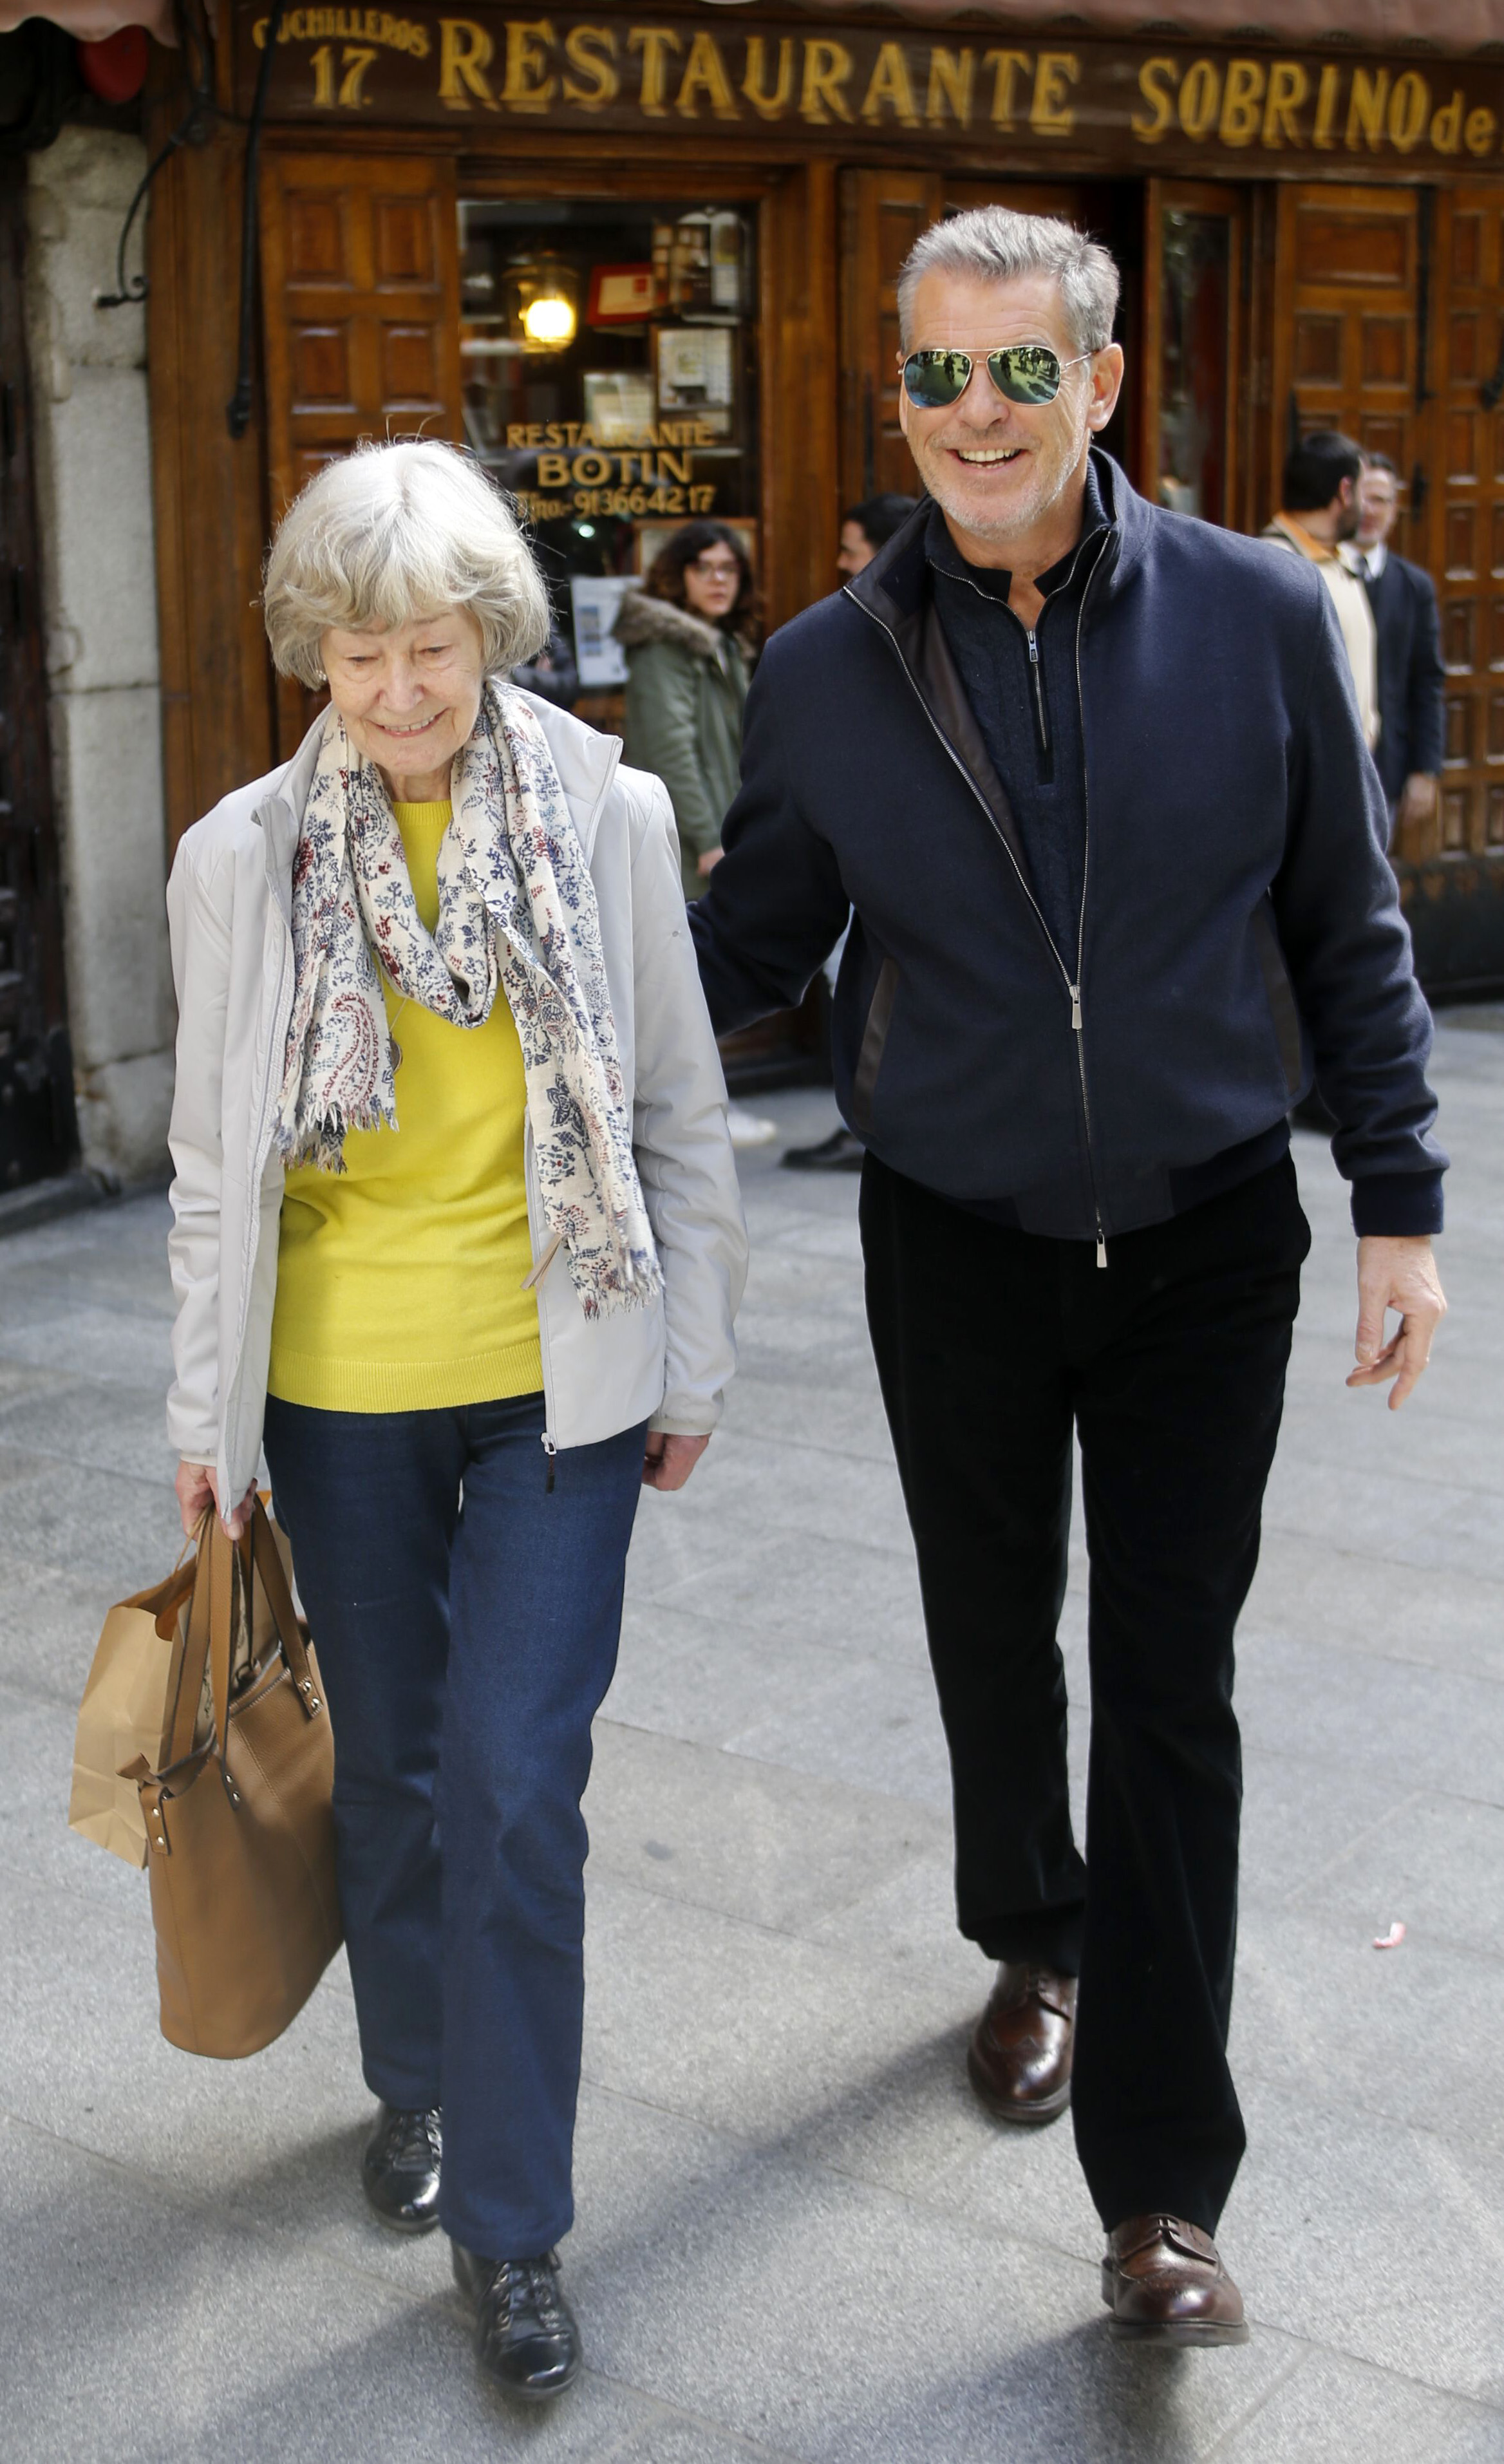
(1019, 2058)
(1164, 2283)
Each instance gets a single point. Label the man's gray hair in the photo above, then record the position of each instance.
(391, 532)
(994, 244)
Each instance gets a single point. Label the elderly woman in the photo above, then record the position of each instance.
(456, 1232)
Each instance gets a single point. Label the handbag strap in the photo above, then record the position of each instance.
(266, 1561)
(208, 1642)
(194, 1657)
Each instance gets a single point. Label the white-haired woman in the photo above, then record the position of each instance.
(456, 1231)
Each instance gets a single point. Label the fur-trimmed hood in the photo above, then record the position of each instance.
(642, 619)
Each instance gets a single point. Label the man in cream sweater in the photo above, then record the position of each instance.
(1318, 512)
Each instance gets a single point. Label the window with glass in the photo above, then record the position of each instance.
(1195, 297)
(608, 368)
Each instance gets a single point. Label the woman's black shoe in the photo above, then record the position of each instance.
(526, 2338)
(400, 2168)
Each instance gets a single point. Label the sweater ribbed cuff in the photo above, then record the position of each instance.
(1397, 1205)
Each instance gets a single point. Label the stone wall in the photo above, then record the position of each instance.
(95, 510)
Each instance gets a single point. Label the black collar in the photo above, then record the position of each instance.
(993, 580)
(898, 579)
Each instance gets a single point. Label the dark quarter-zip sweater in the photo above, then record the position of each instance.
(1022, 691)
(1239, 931)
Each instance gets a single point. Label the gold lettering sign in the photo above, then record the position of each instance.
(653, 475)
(859, 86)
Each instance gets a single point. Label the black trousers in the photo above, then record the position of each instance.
(1171, 1365)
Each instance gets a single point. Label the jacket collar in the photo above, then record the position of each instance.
(642, 619)
(896, 583)
(1318, 551)
(586, 763)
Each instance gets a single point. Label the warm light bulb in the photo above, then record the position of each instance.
(549, 320)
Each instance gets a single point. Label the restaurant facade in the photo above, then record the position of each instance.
(644, 266)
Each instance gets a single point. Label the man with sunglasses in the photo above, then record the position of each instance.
(1092, 777)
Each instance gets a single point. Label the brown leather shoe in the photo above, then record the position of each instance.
(1164, 2283)
(1019, 2058)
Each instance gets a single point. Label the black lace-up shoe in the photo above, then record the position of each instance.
(526, 2338)
(400, 2168)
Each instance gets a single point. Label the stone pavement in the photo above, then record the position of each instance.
(799, 2238)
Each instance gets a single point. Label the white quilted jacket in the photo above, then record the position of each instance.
(230, 915)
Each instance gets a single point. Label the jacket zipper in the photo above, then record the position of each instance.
(1041, 721)
(545, 1257)
(1080, 942)
(1073, 990)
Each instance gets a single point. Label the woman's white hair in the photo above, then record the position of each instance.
(994, 244)
(391, 532)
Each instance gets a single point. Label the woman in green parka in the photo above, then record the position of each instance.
(689, 641)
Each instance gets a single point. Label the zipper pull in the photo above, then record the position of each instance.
(550, 1450)
(1102, 1246)
(1034, 648)
(1075, 1008)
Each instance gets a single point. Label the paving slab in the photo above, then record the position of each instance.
(799, 2238)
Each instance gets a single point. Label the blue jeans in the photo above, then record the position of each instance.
(466, 1617)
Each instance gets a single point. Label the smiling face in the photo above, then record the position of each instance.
(409, 698)
(1005, 475)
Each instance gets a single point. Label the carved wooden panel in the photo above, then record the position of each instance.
(1347, 261)
(360, 257)
(1469, 514)
(361, 283)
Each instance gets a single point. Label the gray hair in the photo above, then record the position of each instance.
(994, 244)
(391, 532)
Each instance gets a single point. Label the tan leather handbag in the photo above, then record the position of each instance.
(125, 1719)
(239, 1828)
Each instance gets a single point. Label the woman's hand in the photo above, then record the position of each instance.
(668, 1462)
(197, 1486)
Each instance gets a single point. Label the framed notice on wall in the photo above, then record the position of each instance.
(696, 372)
(621, 295)
(594, 601)
(618, 405)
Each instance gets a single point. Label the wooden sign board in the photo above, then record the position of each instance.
(1174, 105)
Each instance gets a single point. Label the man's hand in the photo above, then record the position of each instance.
(668, 1462)
(707, 863)
(1399, 1275)
(1417, 800)
(197, 1486)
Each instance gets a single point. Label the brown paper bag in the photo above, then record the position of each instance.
(123, 1713)
(130, 1692)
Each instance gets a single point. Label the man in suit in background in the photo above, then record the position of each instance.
(1410, 673)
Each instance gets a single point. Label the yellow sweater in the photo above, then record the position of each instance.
(399, 1279)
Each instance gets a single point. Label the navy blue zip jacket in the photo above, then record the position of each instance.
(1239, 932)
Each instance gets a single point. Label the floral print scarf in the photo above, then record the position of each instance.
(516, 907)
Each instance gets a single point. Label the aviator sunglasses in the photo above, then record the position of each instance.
(1021, 371)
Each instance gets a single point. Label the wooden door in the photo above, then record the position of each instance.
(1465, 516)
(882, 214)
(359, 258)
(1348, 341)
